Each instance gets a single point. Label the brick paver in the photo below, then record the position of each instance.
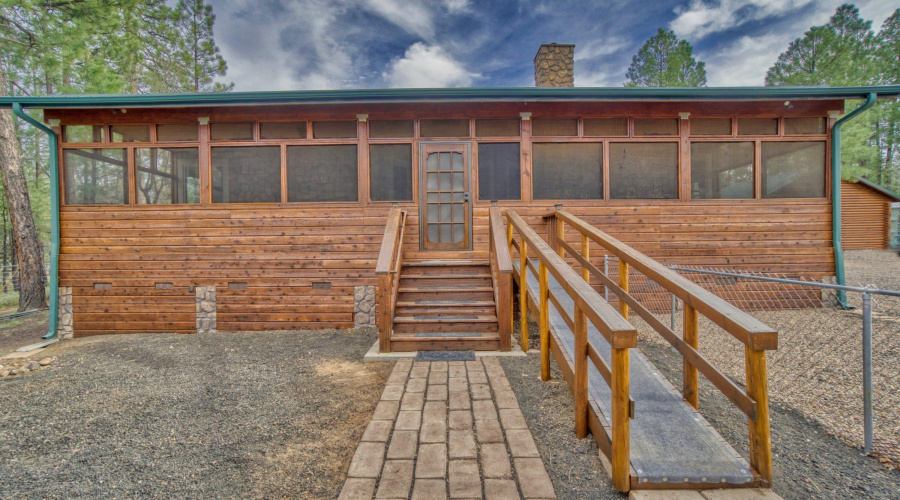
(447, 430)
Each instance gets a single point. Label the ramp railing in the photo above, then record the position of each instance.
(589, 306)
(387, 271)
(756, 337)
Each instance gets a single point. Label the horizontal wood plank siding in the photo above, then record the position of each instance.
(865, 218)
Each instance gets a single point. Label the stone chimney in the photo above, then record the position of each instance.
(554, 65)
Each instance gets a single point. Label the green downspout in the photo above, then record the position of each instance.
(836, 194)
(54, 217)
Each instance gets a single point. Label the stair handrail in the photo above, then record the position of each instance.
(756, 336)
(387, 271)
(501, 276)
(589, 306)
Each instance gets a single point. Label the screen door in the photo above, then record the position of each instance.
(446, 211)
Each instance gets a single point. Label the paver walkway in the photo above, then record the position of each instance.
(447, 430)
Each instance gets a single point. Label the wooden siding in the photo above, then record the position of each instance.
(865, 218)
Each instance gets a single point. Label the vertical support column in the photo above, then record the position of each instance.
(586, 253)
(760, 440)
(385, 313)
(205, 163)
(692, 338)
(623, 283)
(560, 234)
(362, 168)
(505, 307)
(580, 356)
(523, 292)
(206, 308)
(544, 322)
(868, 414)
(509, 242)
(621, 426)
(65, 313)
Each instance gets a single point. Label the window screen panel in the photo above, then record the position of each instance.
(167, 176)
(499, 171)
(84, 133)
(390, 129)
(605, 127)
(554, 127)
(177, 132)
(322, 173)
(497, 128)
(757, 126)
(282, 130)
(655, 126)
(246, 174)
(444, 128)
(643, 170)
(231, 131)
(390, 172)
(793, 169)
(334, 130)
(804, 126)
(130, 133)
(710, 126)
(721, 170)
(568, 171)
(96, 176)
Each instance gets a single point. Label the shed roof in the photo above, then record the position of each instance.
(878, 189)
(471, 94)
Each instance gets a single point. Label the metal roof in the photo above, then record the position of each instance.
(495, 94)
(875, 187)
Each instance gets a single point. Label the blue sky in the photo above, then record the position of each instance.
(326, 44)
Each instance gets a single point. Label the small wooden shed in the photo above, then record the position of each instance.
(866, 215)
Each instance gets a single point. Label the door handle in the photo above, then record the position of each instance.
(466, 197)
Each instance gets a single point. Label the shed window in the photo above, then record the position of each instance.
(96, 176)
(83, 133)
(334, 130)
(568, 171)
(498, 171)
(390, 172)
(605, 127)
(246, 174)
(554, 127)
(167, 175)
(282, 130)
(793, 169)
(497, 128)
(444, 128)
(130, 133)
(804, 126)
(389, 129)
(721, 170)
(231, 131)
(710, 126)
(757, 126)
(322, 173)
(643, 170)
(177, 132)
(655, 126)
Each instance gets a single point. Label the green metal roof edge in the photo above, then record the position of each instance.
(498, 94)
(875, 187)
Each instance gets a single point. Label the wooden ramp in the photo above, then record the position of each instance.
(671, 443)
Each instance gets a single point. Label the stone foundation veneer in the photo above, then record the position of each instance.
(65, 314)
(364, 306)
(206, 308)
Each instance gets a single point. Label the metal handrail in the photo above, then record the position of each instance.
(830, 286)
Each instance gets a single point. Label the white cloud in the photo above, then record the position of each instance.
(427, 66)
(702, 18)
(596, 48)
(745, 62)
(598, 79)
(412, 17)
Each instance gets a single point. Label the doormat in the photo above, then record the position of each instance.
(446, 356)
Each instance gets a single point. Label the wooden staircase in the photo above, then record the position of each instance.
(445, 305)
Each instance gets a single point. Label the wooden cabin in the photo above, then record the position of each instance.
(866, 215)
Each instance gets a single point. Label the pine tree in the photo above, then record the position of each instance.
(666, 61)
(196, 53)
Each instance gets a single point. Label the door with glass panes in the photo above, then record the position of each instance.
(445, 210)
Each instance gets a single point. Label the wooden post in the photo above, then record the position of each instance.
(580, 356)
(509, 241)
(560, 236)
(691, 390)
(383, 296)
(760, 439)
(523, 292)
(623, 282)
(621, 430)
(544, 322)
(505, 306)
(586, 253)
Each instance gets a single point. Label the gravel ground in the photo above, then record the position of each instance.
(21, 331)
(873, 267)
(226, 415)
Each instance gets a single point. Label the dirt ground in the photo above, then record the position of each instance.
(226, 415)
(21, 331)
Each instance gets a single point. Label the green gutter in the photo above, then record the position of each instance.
(54, 218)
(836, 194)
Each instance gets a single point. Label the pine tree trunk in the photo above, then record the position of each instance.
(32, 294)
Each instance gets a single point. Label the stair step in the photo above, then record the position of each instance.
(445, 263)
(445, 289)
(445, 319)
(446, 303)
(434, 276)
